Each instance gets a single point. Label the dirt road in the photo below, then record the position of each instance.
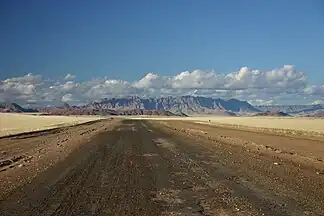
(134, 167)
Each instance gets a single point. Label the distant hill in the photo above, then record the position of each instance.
(276, 114)
(185, 104)
(92, 111)
(292, 109)
(180, 106)
(13, 107)
(317, 114)
(168, 106)
(76, 111)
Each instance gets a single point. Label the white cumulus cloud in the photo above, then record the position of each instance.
(67, 98)
(257, 86)
(316, 102)
(152, 80)
(69, 77)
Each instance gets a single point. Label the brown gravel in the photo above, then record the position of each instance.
(134, 167)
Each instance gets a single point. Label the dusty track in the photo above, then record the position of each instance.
(149, 168)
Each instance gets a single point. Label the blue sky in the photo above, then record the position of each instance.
(124, 40)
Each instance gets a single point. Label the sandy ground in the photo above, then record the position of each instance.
(19, 123)
(286, 123)
(13, 123)
(131, 167)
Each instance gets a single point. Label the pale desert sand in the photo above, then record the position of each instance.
(12, 123)
(19, 123)
(290, 123)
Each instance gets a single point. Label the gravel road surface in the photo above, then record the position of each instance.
(137, 167)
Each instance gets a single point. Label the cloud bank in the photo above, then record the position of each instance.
(277, 86)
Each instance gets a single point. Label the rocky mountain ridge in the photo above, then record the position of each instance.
(13, 107)
(185, 104)
(93, 111)
(292, 109)
(181, 106)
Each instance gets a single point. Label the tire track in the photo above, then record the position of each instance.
(142, 169)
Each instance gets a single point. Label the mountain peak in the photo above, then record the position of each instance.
(184, 104)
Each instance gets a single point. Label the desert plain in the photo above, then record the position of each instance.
(15, 123)
(202, 165)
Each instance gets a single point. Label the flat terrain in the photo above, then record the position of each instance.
(145, 167)
(307, 125)
(13, 123)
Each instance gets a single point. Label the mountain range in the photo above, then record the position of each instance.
(293, 109)
(75, 110)
(185, 104)
(13, 107)
(181, 106)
